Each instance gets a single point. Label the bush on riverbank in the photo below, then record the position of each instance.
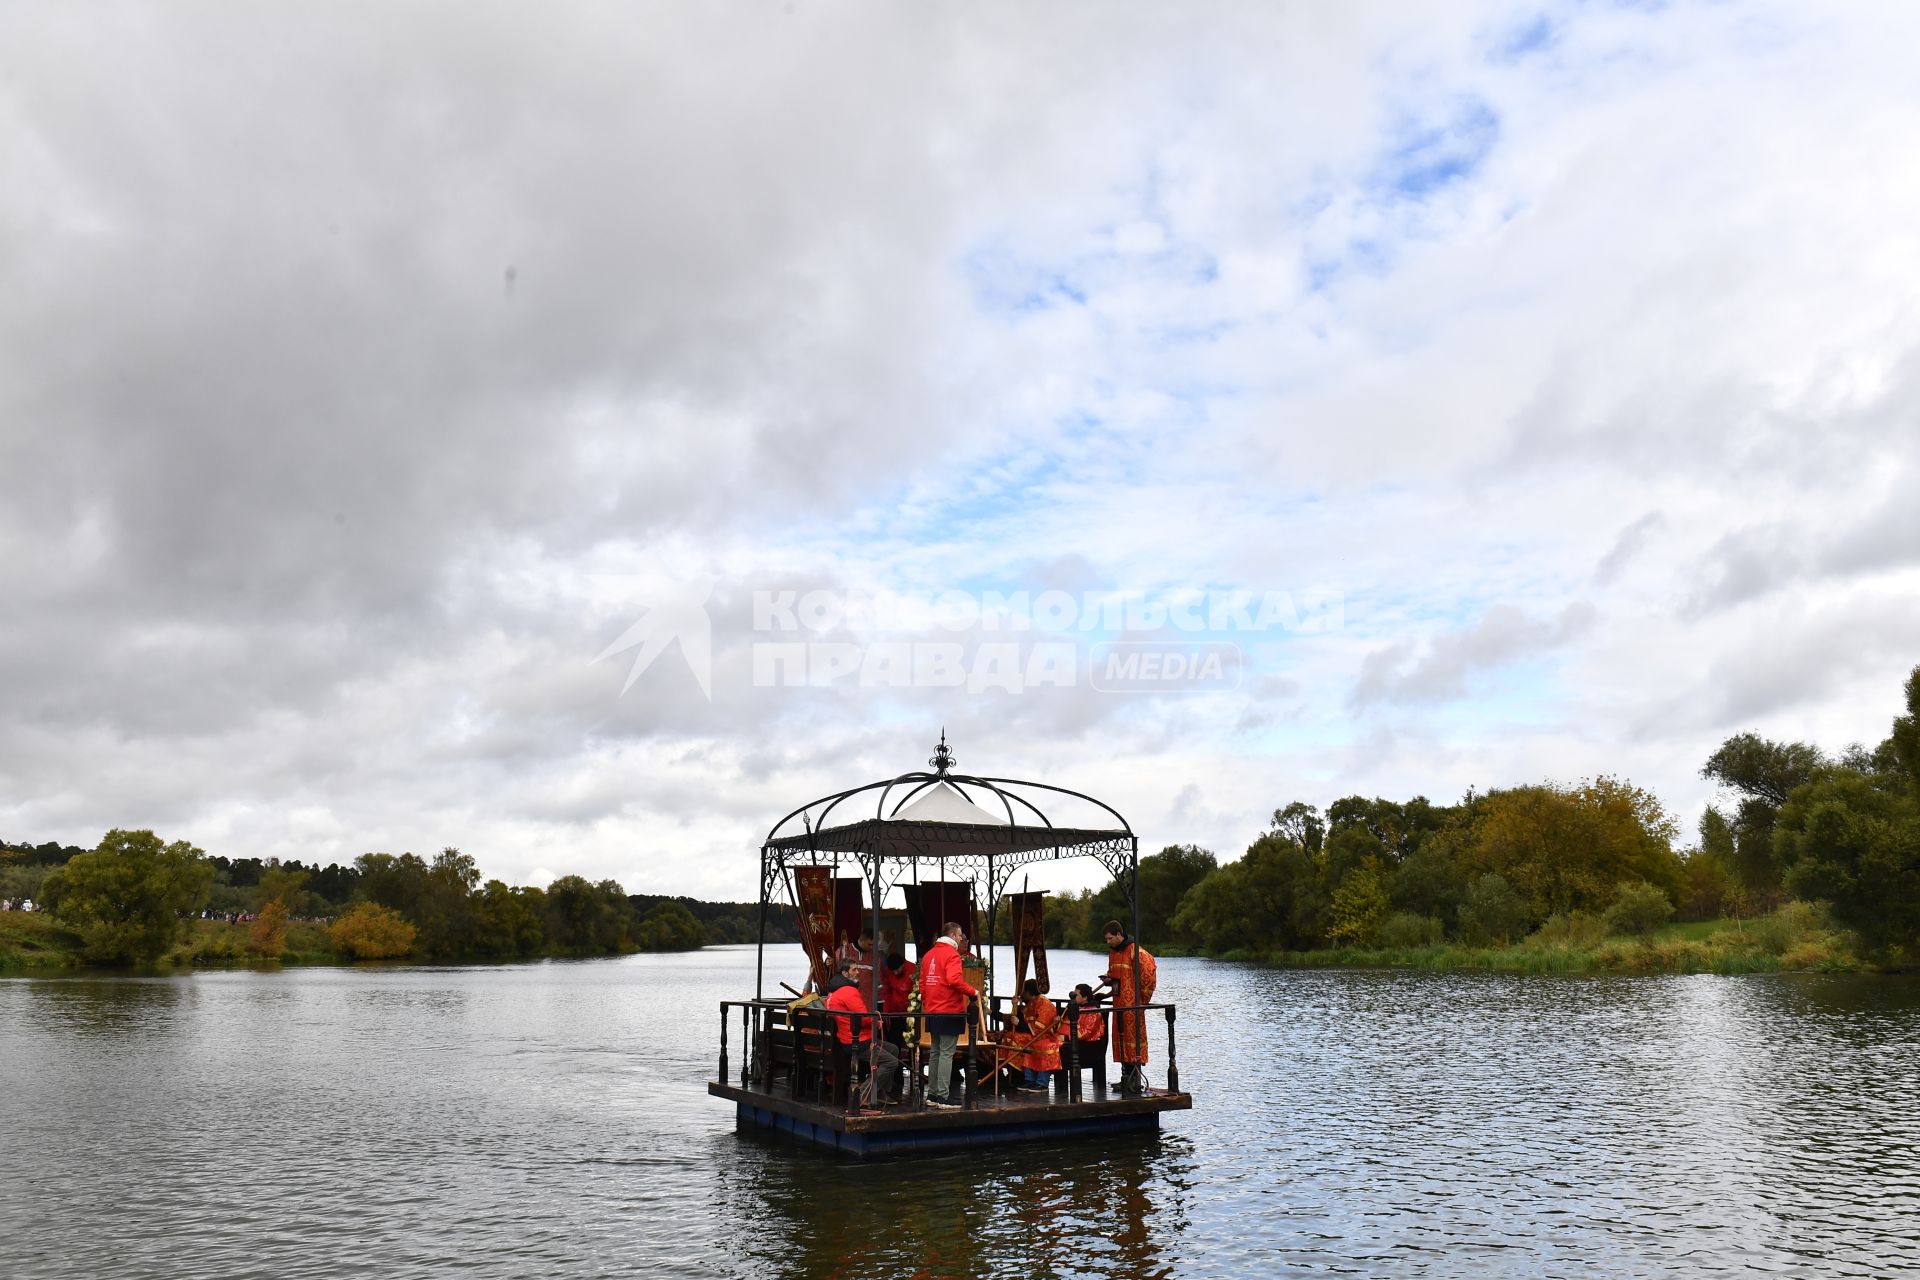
(218, 942)
(35, 940)
(1638, 908)
(1797, 937)
(1562, 866)
(371, 932)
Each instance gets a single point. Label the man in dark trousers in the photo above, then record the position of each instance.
(848, 1001)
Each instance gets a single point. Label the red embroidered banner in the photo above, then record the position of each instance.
(931, 904)
(1029, 940)
(813, 899)
(849, 918)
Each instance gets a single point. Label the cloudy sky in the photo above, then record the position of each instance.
(368, 371)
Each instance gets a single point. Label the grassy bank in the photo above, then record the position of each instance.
(32, 941)
(1797, 938)
(215, 942)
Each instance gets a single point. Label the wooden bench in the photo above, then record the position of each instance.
(802, 1052)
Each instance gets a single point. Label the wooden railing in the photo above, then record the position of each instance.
(805, 1042)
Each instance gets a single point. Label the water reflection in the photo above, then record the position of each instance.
(112, 1007)
(552, 1120)
(1114, 1207)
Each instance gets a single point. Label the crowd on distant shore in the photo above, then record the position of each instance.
(231, 917)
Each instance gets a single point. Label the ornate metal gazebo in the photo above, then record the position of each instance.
(937, 836)
(967, 827)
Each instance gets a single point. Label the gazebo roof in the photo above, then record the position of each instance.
(936, 818)
(944, 802)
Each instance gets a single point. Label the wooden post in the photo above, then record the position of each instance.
(1073, 1052)
(722, 1077)
(820, 1064)
(1173, 1057)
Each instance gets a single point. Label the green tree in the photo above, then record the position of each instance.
(1405, 931)
(1491, 913)
(1903, 744)
(1271, 898)
(1429, 882)
(24, 880)
(512, 920)
(128, 897)
(1218, 915)
(395, 883)
(1301, 823)
(1565, 849)
(670, 927)
(588, 919)
(1359, 906)
(1638, 908)
(1068, 919)
(1347, 850)
(444, 910)
(1399, 829)
(1854, 842)
(1165, 878)
(286, 885)
(1707, 885)
(1762, 773)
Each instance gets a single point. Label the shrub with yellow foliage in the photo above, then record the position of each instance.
(371, 932)
(267, 935)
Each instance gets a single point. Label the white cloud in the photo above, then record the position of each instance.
(338, 355)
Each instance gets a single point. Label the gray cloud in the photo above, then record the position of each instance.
(1745, 565)
(1887, 536)
(1801, 661)
(1631, 543)
(1405, 672)
(340, 349)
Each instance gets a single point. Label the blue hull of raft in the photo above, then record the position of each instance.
(751, 1118)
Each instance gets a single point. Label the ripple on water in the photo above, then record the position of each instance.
(551, 1119)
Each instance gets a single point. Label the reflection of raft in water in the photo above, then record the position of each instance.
(796, 1078)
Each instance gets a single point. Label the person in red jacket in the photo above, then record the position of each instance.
(854, 1025)
(896, 997)
(944, 993)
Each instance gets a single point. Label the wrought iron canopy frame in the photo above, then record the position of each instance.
(887, 848)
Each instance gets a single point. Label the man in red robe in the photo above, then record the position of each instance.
(1089, 1035)
(1131, 975)
(1037, 1036)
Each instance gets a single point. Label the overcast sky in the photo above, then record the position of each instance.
(367, 371)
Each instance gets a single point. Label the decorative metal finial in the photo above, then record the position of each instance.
(942, 758)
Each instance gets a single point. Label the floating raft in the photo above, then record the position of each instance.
(990, 1121)
(947, 856)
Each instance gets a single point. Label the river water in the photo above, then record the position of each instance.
(551, 1119)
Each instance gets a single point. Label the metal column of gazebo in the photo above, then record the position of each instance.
(967, 827)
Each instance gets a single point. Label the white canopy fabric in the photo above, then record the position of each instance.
(942, 802)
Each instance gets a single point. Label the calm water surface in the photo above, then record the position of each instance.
(551, 1119)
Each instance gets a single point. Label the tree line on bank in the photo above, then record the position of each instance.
(135, 897)
(1842, 831)
(1596, 857)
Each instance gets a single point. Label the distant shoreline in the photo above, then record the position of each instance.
(35, 944)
